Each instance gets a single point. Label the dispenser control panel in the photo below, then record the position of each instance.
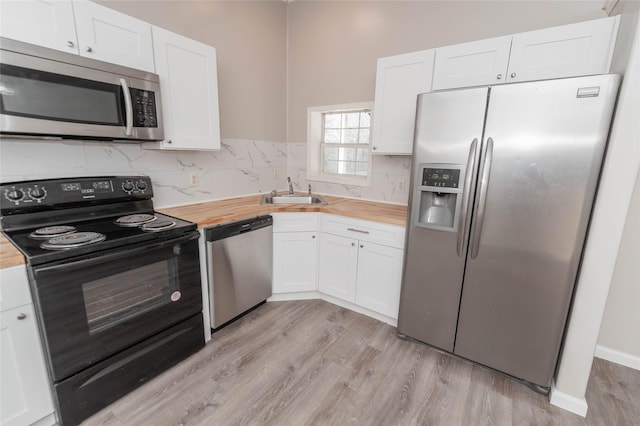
(442, 178)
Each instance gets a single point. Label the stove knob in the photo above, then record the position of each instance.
(127, 186)
(141, 185)
(37, 193)
(14, 195)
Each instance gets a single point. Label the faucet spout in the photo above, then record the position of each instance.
(290, 185)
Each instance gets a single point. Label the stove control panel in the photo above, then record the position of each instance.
(17, 196)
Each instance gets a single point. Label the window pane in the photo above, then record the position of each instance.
(365, 119)
(332, 136)
(330, 153)
(347, 167)
(347, 154)
(332, 121)
(330, 166)
(352, 120)
(363, 137)
(362, 155)
(350, 136)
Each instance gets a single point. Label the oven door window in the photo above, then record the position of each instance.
(121, 297)
(93, 308)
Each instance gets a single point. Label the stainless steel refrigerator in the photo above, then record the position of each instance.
(503, 184)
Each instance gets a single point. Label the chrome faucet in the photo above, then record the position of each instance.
(290, 185)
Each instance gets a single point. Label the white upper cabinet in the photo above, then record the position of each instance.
(476, 63)
(571, 50)
(111, 36)
(399, 79)
(189, 86)
(102, 33)
(584, 48)
(45, 23)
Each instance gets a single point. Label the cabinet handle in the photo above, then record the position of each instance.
(499, 76)
(357, 230)
(313, 236)
(169, 141)
(70, 44)
(375, 147)
(513, 75)
(353, 244)
(89, 49)
(21, 316)
(361, 245)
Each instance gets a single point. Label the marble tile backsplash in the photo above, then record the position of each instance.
(241, 167)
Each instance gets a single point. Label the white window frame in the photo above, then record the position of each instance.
(314, 144)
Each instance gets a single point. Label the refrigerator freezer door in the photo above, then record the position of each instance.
(548, 142)
(447, 124)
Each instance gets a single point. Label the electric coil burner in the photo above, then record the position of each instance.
(116, 285)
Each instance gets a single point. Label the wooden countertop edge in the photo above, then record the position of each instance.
(213, 213)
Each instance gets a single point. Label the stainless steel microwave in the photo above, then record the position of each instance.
(47, 93)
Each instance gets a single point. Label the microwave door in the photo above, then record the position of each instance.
(44, 97)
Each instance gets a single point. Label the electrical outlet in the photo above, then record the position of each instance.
(275, 172)
(194, 178)
(400, 186)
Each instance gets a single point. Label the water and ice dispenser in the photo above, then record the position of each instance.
(438, 196)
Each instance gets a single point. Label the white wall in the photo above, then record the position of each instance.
(621, 168)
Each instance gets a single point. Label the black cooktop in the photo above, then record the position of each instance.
(113, 212)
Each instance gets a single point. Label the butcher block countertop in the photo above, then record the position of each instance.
(216, 212)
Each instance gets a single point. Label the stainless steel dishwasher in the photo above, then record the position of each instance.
(240, 267)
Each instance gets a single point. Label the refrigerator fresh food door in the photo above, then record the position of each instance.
(445, 157)
(532, 209)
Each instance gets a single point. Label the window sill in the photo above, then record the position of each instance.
(364, 181)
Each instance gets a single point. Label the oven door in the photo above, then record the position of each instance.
(91, 308)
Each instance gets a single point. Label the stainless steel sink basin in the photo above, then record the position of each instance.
(292, 199)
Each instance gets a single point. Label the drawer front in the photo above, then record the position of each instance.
(14, 290)
(363, 230)
(295, 222)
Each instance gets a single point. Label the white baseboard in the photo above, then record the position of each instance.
(567, 402)
(618, 357)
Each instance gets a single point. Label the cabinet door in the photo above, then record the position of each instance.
(399, 80)
(338, 265)
(25, 392)
(379, 278)
(570, 50)
(477, 63)
(47, 23)
(111, 36)
(189, 84)
(295, 261)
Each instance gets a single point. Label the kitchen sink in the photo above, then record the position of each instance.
(292, 199)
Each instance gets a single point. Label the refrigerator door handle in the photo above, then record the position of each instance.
(464, 213)
(485, 170)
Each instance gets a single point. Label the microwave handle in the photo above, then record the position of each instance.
(128, 106)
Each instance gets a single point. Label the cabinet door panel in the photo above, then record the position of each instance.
(26, 397)
(566, 51)
(399, 80)
(476, 63)
(379, 278)
(45, 23)
(338, 264)
(295, 261)
(189, 83)
(111, 36)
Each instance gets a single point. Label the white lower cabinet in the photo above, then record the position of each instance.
(338, 266)
(379, 278)
(295, 252)
(361, 262)
(25, 396)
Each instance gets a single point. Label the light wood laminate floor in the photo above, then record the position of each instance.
(314, 363)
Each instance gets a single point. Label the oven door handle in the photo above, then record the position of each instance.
(113, 254)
